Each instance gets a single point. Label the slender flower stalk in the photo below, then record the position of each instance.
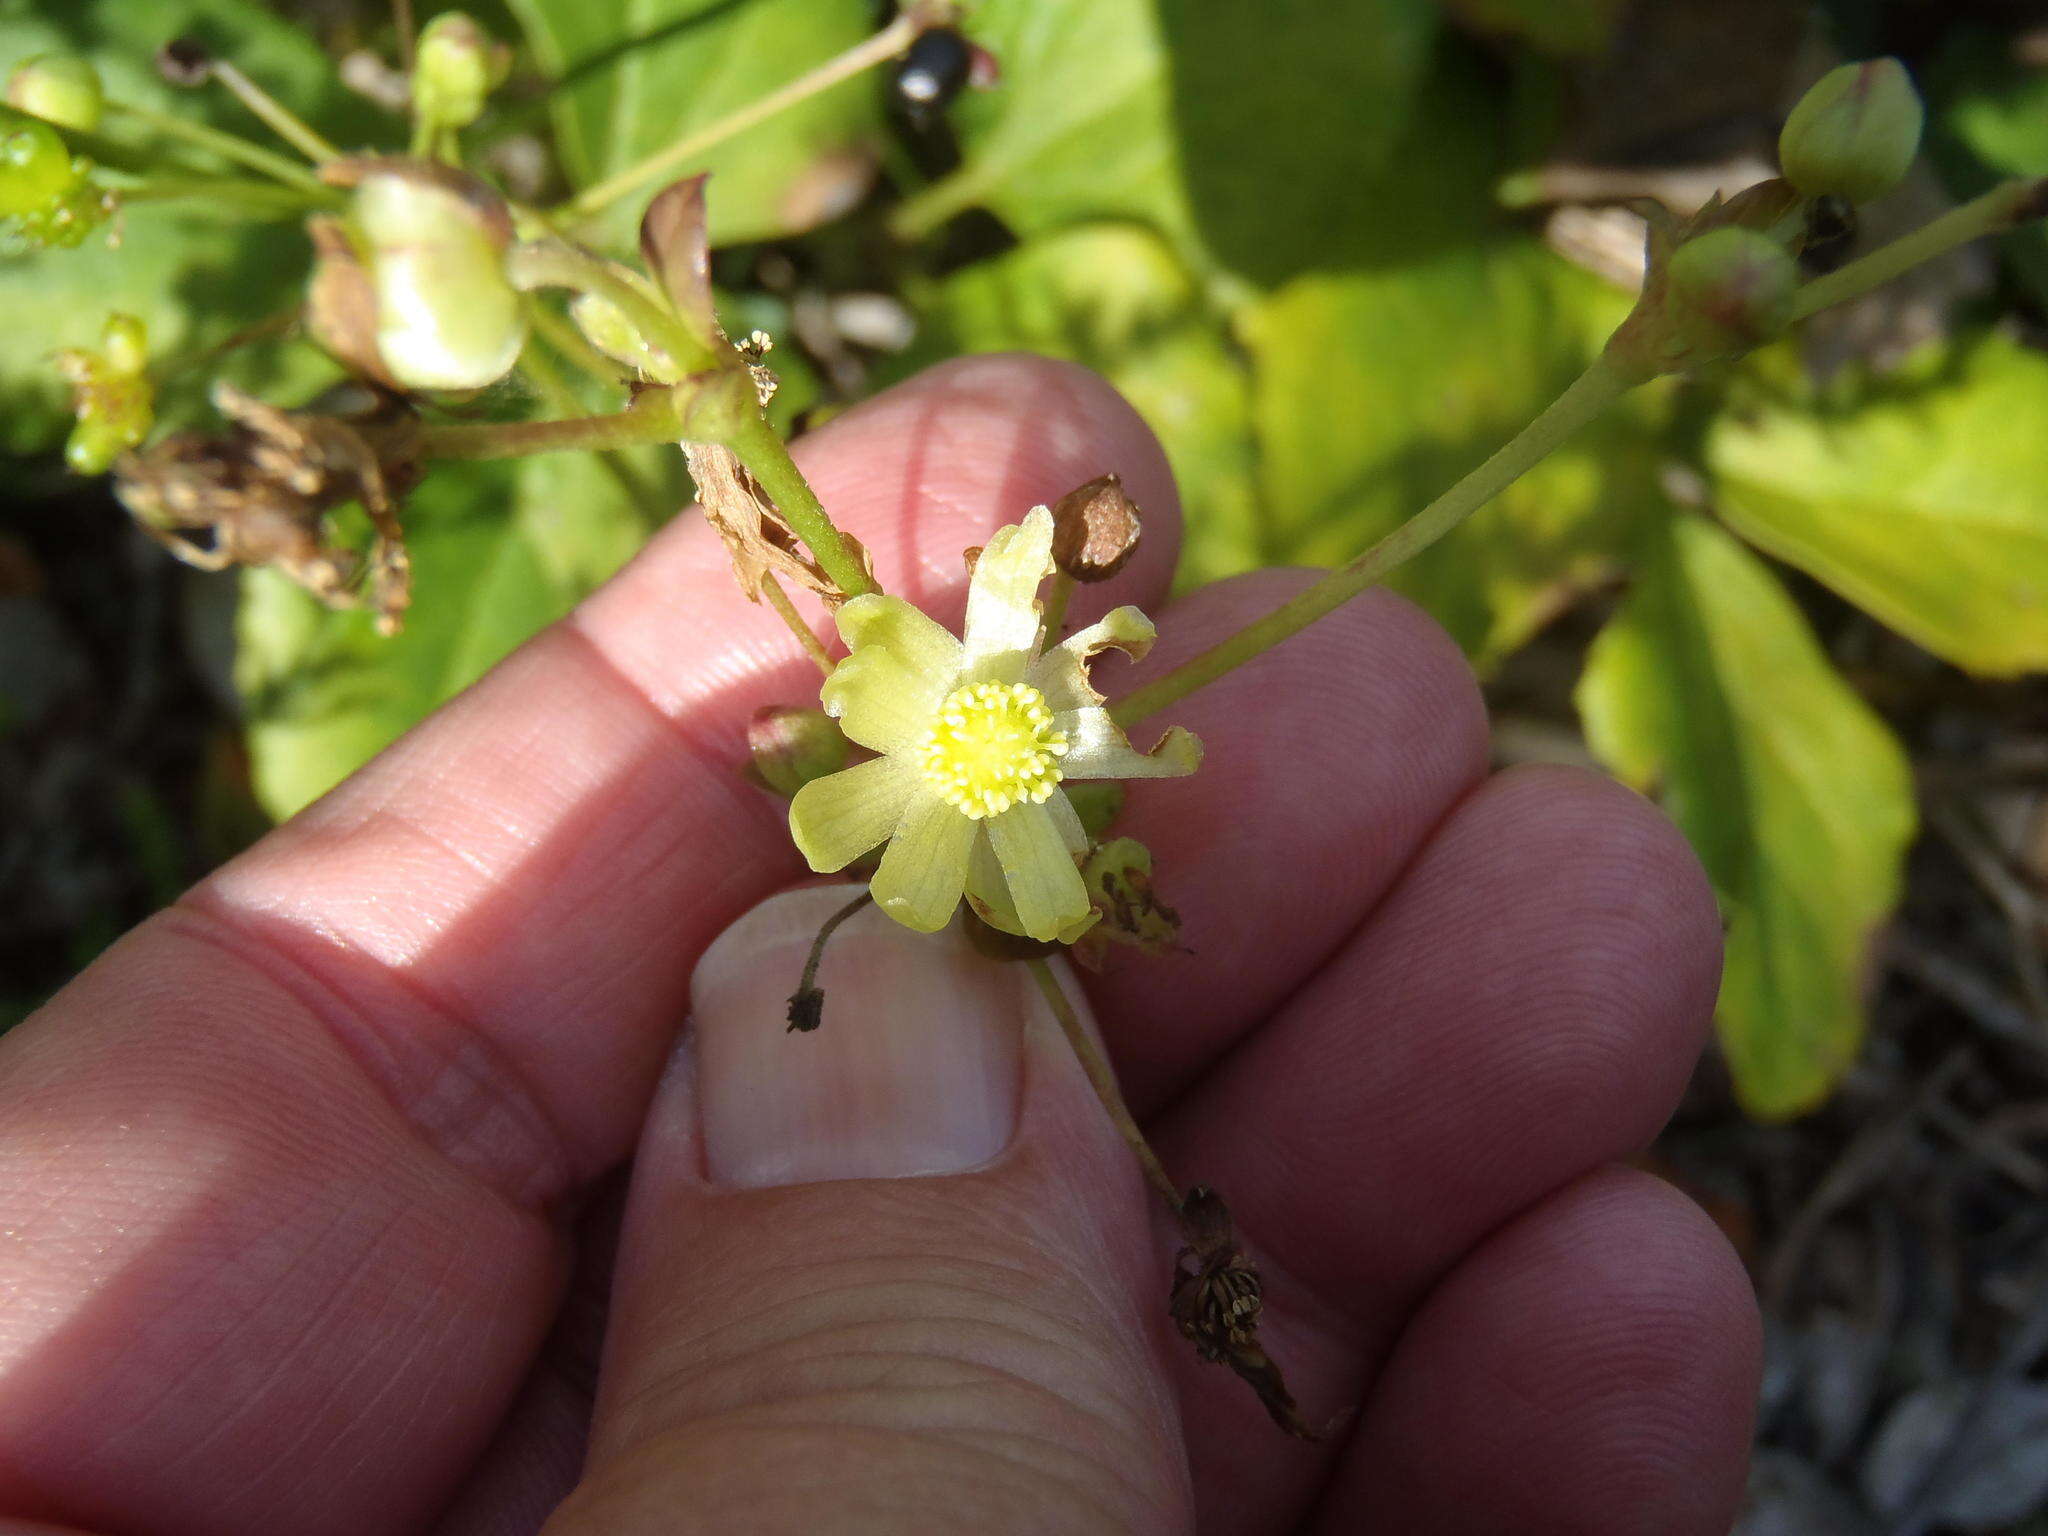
(761, 449)
(277, 117)
(229, 146)
(2004, 207)
(785, 610)
(664, 163)
(1585, 398)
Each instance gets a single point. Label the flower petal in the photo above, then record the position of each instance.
(879, 701)
(1043, 881)
(836, 819)
(1003, 619)
(1098, 749)
(1068, 820)
(1061, 674)
(920, 642)
(925, 868)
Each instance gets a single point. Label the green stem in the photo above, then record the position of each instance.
(226, 196)
(1103, 1080)
(650, 419)
(768, 461)
(557, 264)
(2006, 205)
(1587, 396)
(885, 44)
(777, 599)
(645, 497)
(1055, 615)
(277, 117)
(229, 146)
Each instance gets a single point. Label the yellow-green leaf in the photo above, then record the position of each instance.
(1921, 497)
(1375, 390)
(1709, 687)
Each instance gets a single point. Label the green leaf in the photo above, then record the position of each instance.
(1990, 122)
(193, 276)
(1709, 685)
(1114, 297)
(1262, 138)
(498, 551)
(1375, 391)
(1921, 497)
(635, 77)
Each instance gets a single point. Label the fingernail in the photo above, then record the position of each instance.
(916, 1068)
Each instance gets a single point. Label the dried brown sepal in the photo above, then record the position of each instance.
(341, 301)
(677, 251)
(264, 489)
(1095, 529)
(756, 538)
(1216, 1300)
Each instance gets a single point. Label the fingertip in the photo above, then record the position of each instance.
(1592, 1367)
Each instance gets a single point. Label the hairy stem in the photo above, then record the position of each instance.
(885, 44)
(1103, 1081)
(229, 146)
(767, 459)
(1586, 397)
(2004, 207)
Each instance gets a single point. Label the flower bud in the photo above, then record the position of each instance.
(1729, 290)
(432, 241)
(1094, 529)
(1854, 134)
(456, 67)
(111, 395)
(792, 746)
(59, 88)
(608, 330)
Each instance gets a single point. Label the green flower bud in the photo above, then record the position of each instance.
(36, 168)
(791, 746)
(606, 329)
(456, 68)
(1728, 291)
(1854, 134)
(433, 241)
(60, 88)
(111, 395)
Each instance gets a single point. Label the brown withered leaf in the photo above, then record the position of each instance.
(674, 245)
(1216, 1300)
(263, 491)
(757, 539)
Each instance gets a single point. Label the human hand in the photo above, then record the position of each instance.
(290, 1178)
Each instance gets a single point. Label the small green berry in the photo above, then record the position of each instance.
(1855, 133)
(36, 167)
(60, 88)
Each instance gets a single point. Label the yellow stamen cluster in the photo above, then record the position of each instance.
(991, 746)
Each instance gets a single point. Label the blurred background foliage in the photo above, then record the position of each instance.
(1336, 251)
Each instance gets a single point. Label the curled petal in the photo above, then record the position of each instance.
(1003, 619)
(879, 701)
(1061, 674)
(1099, 749)
(925, 869)
(916, 639)
(1045, 887)
(836, 819)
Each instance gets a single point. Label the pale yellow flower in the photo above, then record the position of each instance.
(975, 737)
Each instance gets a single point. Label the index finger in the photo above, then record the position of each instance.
(277, 1175)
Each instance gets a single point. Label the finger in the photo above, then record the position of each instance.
(278, 1169)
(1326, 764)
(892, 1275)
(1524, 1006)
(1591, 1368)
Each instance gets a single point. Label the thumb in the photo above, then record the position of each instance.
(894, 1275)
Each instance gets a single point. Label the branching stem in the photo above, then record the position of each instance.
(229, 146)
(279, 118)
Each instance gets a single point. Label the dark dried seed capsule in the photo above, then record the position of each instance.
(933, 71)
